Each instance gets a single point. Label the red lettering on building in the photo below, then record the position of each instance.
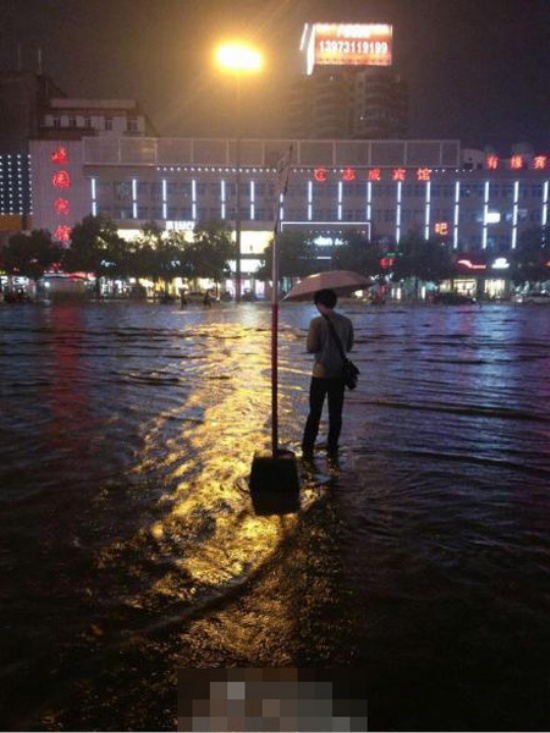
(320, 174)
(60, 155)
(441, 228)
(62, 207)
(348, 174)
(399, 174)
(61, 179)
(540, 162)
(491, 162)
(374, 174)
(62, 233)
(516, 162)
(423, 174)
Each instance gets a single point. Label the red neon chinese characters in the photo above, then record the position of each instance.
(62, 207)
(540, 162)
(374, 174)
(423, 174)
(62, 233)
(320, 174)
(61, 179)
(399, 174)
(348, 175)
(442, 228)
(516, 162)
(60, 155)
(491, 162)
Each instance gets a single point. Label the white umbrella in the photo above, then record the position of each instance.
(343, 282)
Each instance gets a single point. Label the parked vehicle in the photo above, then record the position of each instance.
(539, 298)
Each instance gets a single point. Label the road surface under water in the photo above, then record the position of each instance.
(130, 547)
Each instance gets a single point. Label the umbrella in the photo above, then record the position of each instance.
(343, 282)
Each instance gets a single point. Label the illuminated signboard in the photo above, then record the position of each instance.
(348, 44)
(61, 179)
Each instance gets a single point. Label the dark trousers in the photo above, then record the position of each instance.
(318, 390)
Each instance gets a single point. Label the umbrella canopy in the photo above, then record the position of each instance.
(343, 282)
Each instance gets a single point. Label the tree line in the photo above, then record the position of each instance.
(98, 249)
(160, 255)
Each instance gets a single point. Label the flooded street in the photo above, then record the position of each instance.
(130, 547)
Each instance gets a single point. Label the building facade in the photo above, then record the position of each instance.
(384, 189)
(32, 107)
(348, 103)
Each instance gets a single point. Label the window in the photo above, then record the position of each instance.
(108, 123)
(72, 121)
(132, 124)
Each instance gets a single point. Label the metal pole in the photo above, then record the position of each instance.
(274, 345)
(275, 307)
(238, 195)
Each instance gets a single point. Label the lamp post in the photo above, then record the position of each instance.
(238, 59)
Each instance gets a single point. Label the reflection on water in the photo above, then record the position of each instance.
(131, 548)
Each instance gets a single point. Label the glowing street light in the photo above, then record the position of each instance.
(238, 59)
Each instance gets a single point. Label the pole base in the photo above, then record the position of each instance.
(274, 482)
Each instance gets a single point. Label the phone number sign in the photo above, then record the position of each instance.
(365, 44)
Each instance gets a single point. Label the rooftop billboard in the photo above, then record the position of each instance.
(347, 44)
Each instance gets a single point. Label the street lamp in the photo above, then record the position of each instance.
(238, 59)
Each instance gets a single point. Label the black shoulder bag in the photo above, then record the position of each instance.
(350, 371)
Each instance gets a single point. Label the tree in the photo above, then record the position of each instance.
(31, 255)
(422, 259)
(160, 255)
(96, 247)
(297, 257)
(532, 255)
(359, 255)
(211, 250)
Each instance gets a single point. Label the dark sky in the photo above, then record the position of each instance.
(477, 70)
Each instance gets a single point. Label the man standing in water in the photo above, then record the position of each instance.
(327, 378)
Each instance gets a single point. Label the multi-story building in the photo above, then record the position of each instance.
(384, 189)
(32, 107)
(348, 103)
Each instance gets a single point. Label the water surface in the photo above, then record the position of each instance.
(130, 546)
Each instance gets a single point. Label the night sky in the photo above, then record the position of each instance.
(477, 70)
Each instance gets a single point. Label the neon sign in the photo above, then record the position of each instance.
(60, 155)
(62, 233)
(61, 179)
(320, 174)
(349, 174)
(471, 265)
(62, 207)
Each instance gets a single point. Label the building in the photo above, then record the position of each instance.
(348, 103)
(32, 107)
(384, 189)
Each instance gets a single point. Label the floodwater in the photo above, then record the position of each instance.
(130, 547)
